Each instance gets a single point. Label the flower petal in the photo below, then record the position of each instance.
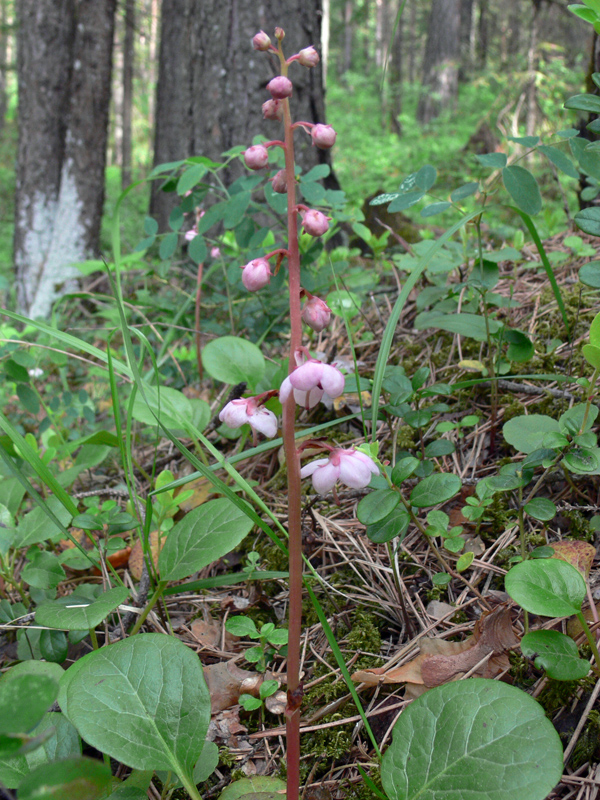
(332, 381)
(307, 376)
(366, 460)
(235, 413)
(308, 469)
(353, 472)
(325, 477)
(285, 389)
(312, 398)
(264, 421)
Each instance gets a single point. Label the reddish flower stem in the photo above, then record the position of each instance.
(293, 470)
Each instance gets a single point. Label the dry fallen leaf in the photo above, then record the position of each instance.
(440, 661)
(201, 489)
(577, 553)
(136, 557)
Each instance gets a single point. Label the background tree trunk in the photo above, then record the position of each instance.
(348, 36)
(63, 64)
(211, 83)
(396, 47)
(440, 68)
(128, 59)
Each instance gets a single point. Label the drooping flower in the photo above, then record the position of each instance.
(215, 252)
(191, 234)
(315, 222)
(260, 41)
(256, 274)
(279, 182)
(248, 410)
(316, 313)
(310, 381)
(351, 467)
(280, 87)
(256, 157)
(323, 136)
(308, 57)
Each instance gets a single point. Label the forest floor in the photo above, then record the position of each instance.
(379, 599)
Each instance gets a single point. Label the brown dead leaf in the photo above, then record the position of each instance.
(136, 557)
(201, 489)
(226, 682)
(577, 553)
(206, 632)
(440, 661)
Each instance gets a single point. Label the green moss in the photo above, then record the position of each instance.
(579, 526)
(587, 744)
(361, 791)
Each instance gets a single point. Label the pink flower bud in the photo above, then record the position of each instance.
(247, 410)
(308, 57)
(279, 34)
(191, 234)
(310, 381)
(272, 110)
(316, 314)
(323, 136)
(256, 274)
(315, 222)
(351, 467)
(279, 182)
(215, 252)
(261, 41)
(280, 87)
(256, 157)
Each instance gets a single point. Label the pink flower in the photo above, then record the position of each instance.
(316, 313)
(310, 381)
(256, 274)
(308, 57)
(246, 410)
(323, 136)
(349, 466)
(215, 252)
(256, 157)
(280, 87)
(261, 41)
(272, 110)
(279, 182)
(191, 234)
(315, 222)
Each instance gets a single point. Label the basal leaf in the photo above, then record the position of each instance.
(435, 489)
(72, 778)
(546, 586)
(555, 653)
(24, 700)
(232, 360)
(78, 613)
(526, 433)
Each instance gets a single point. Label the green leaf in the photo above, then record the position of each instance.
(526, 141)
(259, 787)
(435, 208)
(477, 738)
(437, 448)
(589, 274)
(204, 535)
(24, 700)
(172, 407)
(571, 421)
(344, 304)
(197, 250)
(595, 331)
(435, 489)
(587, 160)
(62, 743)
(526, 433)
(588, 220)
(36, 527)
(377, 505)
(520, 347)
(232, 360)
(406, 200)
(43, 571)
(465, 561)
(316, 173)
(207, 761)
(541, 508)
(548, 586)
(404, 469)
(53, 646)
(425, 177)
(189, 178)
(28, 398)
(492, 160)
(555, 653)
(560, 160)
(584, 102)
(466, 190)
(168, 245)
(236, 208)
(465, 324)
(394, 525)
(241, 626)
(163, 703)
(523, 188)
(77, 613)
(150, 226)
(72, 778)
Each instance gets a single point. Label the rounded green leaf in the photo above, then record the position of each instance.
(589, 274)
(151, 706)
(24, 700)
(197, 249)
(266, 787)
(466, 190)
(404, 469)
(595, 331)
(204, 535)
(241, 626)
(588, 220)
(526, 433)
(492, 160)
(232, 360)
(435, 489)
(77, 613)
(523, 188)
(555, 653)
(547, 586)
(344, 303)
(465, 561)
(477, 738)
(377, 505)
(435, 208)
(172, 407)
(541, 508)
(72, 778)
(437, 448)
(388, 528)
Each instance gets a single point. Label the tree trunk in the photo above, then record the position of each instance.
(440, 69)
(63, 64)
(128, 57)
(396, 77)
(466, 28)
(348, 36)
(4, 34)
(531, 115)
(211, 83)
(412, 39)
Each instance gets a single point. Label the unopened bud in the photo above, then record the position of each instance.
(272, 110)
(261, 41)
(323, 136)
(280, 87)
(279, 182)
(279, 34)
(315, 222)
(256, 274)
(308, 57)
(316, 313)
(256, 157)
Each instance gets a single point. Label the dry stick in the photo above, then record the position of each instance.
(581, 723)
(293, 470)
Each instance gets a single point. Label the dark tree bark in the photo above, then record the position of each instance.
(63, 64)
(440, 68)
(348, 36)
(395, 106)
(466, 38)
(212, 84)
(128, 58)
